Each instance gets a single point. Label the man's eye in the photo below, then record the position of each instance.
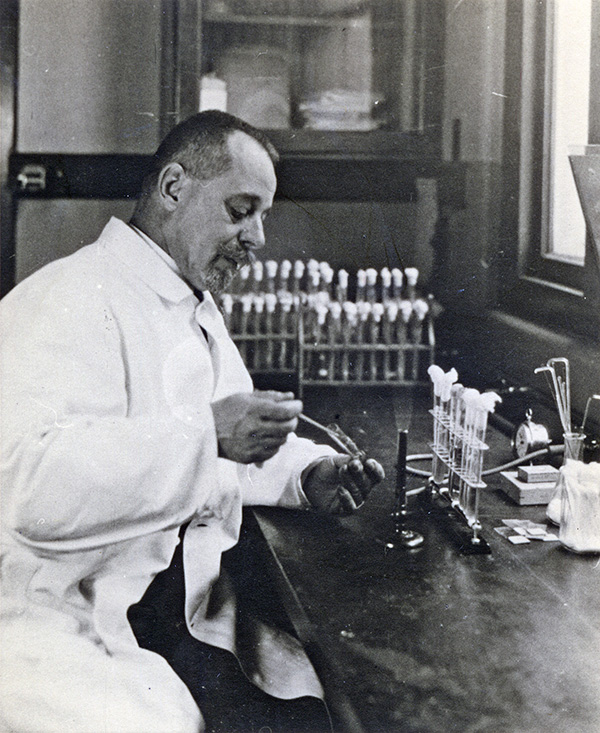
(237, 214)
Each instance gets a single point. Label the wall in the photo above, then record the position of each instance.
(88, 82)
(89, 75)
(473, 104)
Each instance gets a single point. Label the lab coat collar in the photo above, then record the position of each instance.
(128, 246)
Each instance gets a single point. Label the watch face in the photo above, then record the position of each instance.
(522, 441)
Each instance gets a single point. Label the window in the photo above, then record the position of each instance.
(552, 85)
(567, 89)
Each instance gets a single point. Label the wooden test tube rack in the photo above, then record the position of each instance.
(374, 349)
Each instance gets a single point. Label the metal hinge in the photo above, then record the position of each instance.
(32, 178)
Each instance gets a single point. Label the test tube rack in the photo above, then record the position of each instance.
(299, 319)
(369, 351)
(459, 429)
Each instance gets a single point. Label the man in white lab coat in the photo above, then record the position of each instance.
(128, 414)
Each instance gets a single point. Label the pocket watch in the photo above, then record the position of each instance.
(529, 437)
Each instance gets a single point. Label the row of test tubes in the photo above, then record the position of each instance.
(314, 277)
(265, 328)
(460, 417)
(300, 317)
(365, 342)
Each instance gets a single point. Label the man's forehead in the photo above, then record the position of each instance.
(252, 168)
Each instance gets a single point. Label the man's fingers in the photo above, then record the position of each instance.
(278, 411)
(354, 481)
(374, 470)
(271, 394)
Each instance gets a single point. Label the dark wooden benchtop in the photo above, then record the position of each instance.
(431, 640)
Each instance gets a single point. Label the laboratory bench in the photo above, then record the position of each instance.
(429, 639)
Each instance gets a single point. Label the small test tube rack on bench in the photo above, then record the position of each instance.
(373, 329)
(460, 417)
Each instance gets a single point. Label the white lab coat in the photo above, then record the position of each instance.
(108, 447)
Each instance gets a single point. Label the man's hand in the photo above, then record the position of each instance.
(340, 484)
(252, 427)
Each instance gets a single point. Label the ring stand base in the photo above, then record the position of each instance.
(405, 539)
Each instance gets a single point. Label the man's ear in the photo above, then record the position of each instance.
(171, 181)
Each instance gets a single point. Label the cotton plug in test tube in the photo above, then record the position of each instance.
(420, 309)
(321, 366)
(246, 301)
(258, 327)
(371, 286)
(405, 310)
(314, 278)
(361, 283)
(324, 267)
(271, 271)
(364, 310)
(412, 275)
(257, 275)
(313, 273)
(457, 413)
(326, 280)
(386, 284)
(299, 268)
(483, 405)
(341, 291)
(285, 269)
(286, 301)
(334, 325)
(470, 398)
(447, 380)
(388, 328)
(270, 305)
(349, 326)
(436, 374)
(397, 280)
(376, 318)
(244, 275)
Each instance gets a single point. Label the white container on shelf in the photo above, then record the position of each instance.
(213, 93)
(258, 85)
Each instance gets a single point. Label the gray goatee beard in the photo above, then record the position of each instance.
(218, 281)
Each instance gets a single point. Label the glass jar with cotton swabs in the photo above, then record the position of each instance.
(557, 372)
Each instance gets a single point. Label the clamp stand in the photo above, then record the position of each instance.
(402, 537)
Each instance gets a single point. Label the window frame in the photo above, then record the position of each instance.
(555, 294)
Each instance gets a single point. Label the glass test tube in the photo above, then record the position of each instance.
(341, 292)
(361, 282)
(457, 413)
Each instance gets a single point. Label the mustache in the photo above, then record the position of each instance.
(235, 251)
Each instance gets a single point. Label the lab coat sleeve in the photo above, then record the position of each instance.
(77, 469)
(276, 482)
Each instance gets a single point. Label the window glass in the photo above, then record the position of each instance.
(566, 124)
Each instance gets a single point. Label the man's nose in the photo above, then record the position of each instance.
(253, 234)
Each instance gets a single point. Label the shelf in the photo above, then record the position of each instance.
(283, 20)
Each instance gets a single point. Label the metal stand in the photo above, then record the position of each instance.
(402, 537)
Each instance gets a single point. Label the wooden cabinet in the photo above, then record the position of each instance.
(349, 91)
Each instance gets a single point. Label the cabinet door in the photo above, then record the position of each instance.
(333, 66)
